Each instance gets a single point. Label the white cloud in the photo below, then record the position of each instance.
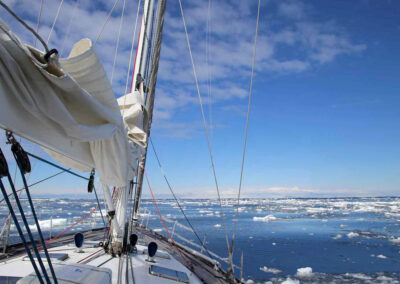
(285, 25)
(293, 9)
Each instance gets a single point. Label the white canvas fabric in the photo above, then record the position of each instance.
(134, 115)
(68, 108)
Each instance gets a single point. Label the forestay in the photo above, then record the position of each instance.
(67, 107)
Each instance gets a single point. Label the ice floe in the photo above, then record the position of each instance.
(304, 272)
(267, 218)
(353, 235)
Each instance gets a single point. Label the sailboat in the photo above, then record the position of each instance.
(68, 107)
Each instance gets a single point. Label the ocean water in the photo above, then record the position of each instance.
(337, 240)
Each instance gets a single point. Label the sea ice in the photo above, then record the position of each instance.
(353, 235)
(267, 218)
(304, 272)
(359, 276)
(381, 256)
(395, 240)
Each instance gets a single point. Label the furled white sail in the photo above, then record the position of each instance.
(134, 114)
(68, 108)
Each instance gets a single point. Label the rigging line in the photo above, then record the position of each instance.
(70, 227)
(208, 68)
(205, 126)
(105, 22)
(55, 21)
(117, 45)
(21, 170)
(130, 56)
(98, 204)
(246, 130)
(25, 25)
(20, 191)
(21, 234)
(57, 166)
(38, 20)
(69, 27)
(35, 183)
(162, 220)
(27, 228)
(176, 199)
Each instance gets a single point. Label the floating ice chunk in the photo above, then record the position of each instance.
(267, 218)
(353, 235)
(274, 244)
(385, 279)
(381, 256)
(270, 270)
(46, 224)
(304, 272)
(217, 225)
(249, 281)
(359, 276)
(291, 281)
(338, 236)
(395, 240)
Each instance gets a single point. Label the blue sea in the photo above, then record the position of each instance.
(336, 240)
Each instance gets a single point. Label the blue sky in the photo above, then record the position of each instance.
(326, 107)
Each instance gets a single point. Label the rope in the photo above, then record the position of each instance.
(245, 133)
(55, 21)
(22, 171)
(130, 56)
(117, 45)
(38, 20)
(57, 166)
(105, 22)
(25, 25)
(23, 217)
(162, 220)
(70, 227)
(90, 255)
(21, 234)
(208, 67)
(35, 183)
(69, 27)
(98, 204)
(204, 124)
(176, 199)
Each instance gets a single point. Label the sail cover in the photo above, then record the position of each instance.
(68, 108)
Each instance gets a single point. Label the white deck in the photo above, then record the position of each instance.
(18, 267)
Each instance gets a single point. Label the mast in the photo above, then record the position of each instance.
(149, 104)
